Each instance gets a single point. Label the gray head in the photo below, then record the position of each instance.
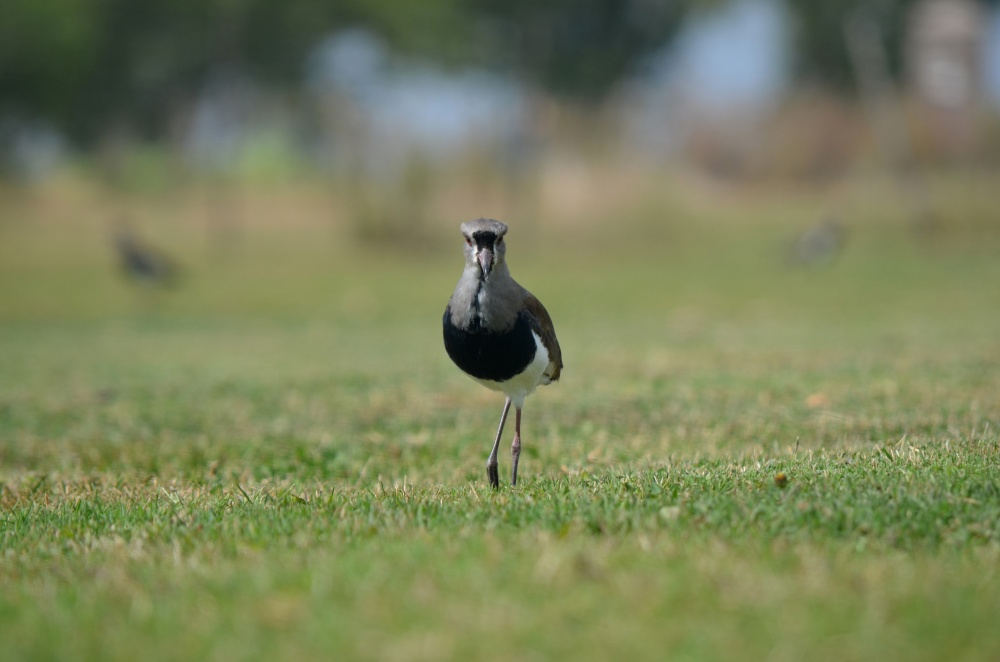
(484, 245)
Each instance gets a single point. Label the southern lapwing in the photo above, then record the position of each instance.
(142, 263)
(498, 333)
(820, 244)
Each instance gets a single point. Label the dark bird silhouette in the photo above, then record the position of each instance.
(498, 333)
(141, 263)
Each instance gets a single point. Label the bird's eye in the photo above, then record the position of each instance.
(499, 241)
(468, 241)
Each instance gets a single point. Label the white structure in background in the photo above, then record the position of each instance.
(945, 43)
(222, 121)
(30, 149)
(378, 114)
(991, 59)
(735, 57)
(728, 66)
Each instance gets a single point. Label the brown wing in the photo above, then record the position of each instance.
(541, 324)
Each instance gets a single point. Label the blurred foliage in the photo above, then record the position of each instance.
(84, 64)
(90, 65)
(819, 45)
(819, 36)
(579, 49)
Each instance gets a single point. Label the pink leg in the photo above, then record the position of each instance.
(515, 448)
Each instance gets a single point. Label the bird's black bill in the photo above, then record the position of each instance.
(485, 258)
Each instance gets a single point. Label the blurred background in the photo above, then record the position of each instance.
(174, 135)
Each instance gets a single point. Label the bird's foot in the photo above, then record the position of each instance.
(493, 473)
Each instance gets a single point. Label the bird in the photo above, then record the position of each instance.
(820, 244)
(499, 333)
(142, 263)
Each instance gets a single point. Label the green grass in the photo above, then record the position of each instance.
(277, 461)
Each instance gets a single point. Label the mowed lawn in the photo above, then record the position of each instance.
(275, 460)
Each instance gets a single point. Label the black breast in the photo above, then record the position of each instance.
(494, 356)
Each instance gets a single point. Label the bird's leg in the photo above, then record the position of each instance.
(515, 448)
(492, 472)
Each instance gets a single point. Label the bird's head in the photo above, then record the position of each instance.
(484, 245)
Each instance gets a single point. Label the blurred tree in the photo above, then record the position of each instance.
(89, 66)
(92, 66)
(47, 51)
(578, 49)
(820, 48)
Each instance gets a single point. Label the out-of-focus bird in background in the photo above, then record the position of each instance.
(820, 244)
(141, 263)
